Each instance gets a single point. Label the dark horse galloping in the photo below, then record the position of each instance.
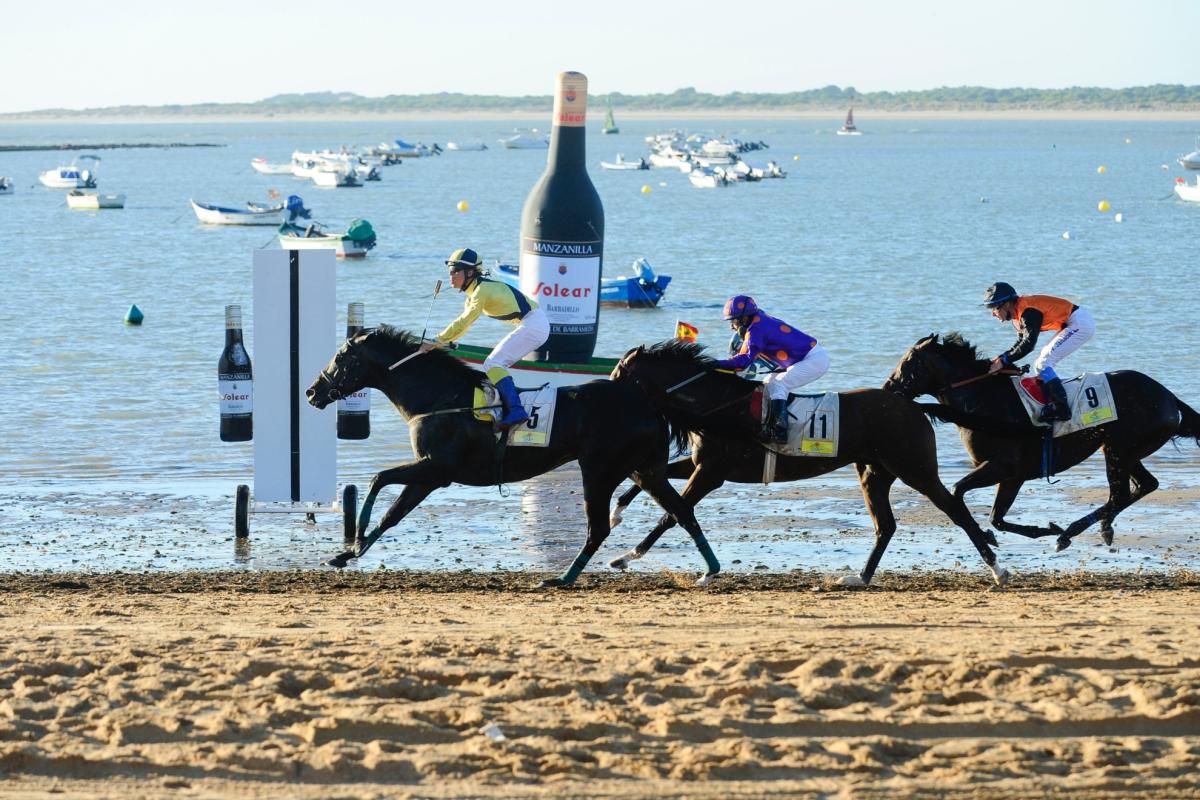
(884, 436)
(1007, 449)
(608, 428)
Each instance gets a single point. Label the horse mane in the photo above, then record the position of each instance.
(679, 349)
(401, 343)
(956, 348)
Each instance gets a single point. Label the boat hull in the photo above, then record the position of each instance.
(92, 200)
(527, 374)
(1191, 192)
(293, 237)
(216, 215)
(263, 168)
(1190, 161)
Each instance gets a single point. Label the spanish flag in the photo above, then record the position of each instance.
(686, 331)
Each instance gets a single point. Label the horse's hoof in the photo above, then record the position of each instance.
(555, 583)
(1062, 544)
(852, 581)
(615, 518)
(622, 562)
(990, 538)
(1106, 533)
(706, 579)
(1000, 576)
(340, 560)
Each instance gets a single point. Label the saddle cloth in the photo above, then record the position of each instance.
(539, 403)
(1088, 394)
(813, 428)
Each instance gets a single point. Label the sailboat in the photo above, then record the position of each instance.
(610, 125)
(848, 129)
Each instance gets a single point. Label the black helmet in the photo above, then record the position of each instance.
(998, 293)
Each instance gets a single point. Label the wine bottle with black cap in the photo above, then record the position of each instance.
(235, 382)
(354, 412)
(562, 233)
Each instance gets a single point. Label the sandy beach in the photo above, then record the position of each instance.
(315, 684)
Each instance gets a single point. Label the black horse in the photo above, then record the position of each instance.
(884, 436)
(1007, 449)
(607, 427)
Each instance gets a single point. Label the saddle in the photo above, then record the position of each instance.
(539, 403)
(1088, 396)
(813, 428)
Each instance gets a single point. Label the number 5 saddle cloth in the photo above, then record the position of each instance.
(539, 403)
(1088, 394)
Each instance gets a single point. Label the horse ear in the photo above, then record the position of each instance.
(926, 340)
(641, 348)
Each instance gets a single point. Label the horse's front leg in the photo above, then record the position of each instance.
(682, 469)
(703, 481)
(994, 473)
(421, 476)
(597, 493)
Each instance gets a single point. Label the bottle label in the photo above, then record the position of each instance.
(237, 397)
(566, 288)
(357, 403)
(570, 102)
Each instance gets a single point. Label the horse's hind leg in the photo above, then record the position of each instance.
(658, 487)
(876, 483)
(1120, 475)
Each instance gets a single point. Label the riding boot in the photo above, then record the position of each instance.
(1058, 409)
(776, 428)
(514, 412)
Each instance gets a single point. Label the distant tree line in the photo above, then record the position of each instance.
(1161, 97)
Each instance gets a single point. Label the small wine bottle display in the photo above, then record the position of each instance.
(235, 382)
(354, 412)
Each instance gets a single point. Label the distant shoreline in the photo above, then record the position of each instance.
(863, 114)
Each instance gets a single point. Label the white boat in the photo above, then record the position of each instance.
(78, 198)
(251, 213)
(403, 149)
(263, 167)
(1192, 159)
(335, 176)
(354, 243)
(462, 146)
(621, 163)
(705, 178)
(680, 162)
(848, 129)
(525, 141)
(6, 185)
(1186, 191)
(71, 176)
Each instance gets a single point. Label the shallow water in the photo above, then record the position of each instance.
(111, 457)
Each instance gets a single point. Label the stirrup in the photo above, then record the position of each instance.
(1054, 412)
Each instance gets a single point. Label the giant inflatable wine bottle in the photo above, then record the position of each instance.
(235, 382)
(562, 233)
(354, 412)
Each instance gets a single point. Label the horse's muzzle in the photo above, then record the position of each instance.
(320, 400)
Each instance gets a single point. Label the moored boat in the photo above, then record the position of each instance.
(705, 178)
(641, 290)
(251, 213)
(1192, 159)
(6, 185)
(525, 141)
(353, 243)
(621, 163)
(262, 166)
(531, 374)
(78, 198)
(1189, 192)
(848, 128)
(466, 146)
(71, 176)
(335, 176)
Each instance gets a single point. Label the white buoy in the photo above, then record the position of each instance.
(1066, 234)
(1119, 217)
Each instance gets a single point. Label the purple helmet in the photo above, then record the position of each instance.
(740, 305)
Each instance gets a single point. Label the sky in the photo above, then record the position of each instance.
(71, 54)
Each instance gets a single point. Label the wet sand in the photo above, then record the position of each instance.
(364, 685)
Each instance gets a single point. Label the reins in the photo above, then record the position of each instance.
(1005, 371)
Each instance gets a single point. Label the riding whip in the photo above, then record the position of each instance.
(436, 289)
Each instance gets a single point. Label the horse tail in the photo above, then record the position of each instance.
(982, 423)
(1189, 423)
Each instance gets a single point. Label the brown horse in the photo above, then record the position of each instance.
(884, 436)
(1008, 450)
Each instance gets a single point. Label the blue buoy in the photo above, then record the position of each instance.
(134, 315)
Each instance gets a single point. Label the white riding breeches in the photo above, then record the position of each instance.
(531, 334)
(814, 365)
(1080, 327)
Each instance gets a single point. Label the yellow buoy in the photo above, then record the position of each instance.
(1102, 169)
(1103, 205)
(463, 205)
(1129, 141)
(795, 158)
(646, 188)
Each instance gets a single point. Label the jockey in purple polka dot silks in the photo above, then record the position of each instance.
(798, 354)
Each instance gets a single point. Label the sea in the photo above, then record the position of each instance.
(111, 459)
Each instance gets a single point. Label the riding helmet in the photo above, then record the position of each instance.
(740, 305)
(464, 257)
(998, 293)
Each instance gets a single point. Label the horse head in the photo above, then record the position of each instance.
(930, 366)
(346, 373)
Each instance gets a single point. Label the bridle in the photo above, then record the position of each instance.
(949, 385)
